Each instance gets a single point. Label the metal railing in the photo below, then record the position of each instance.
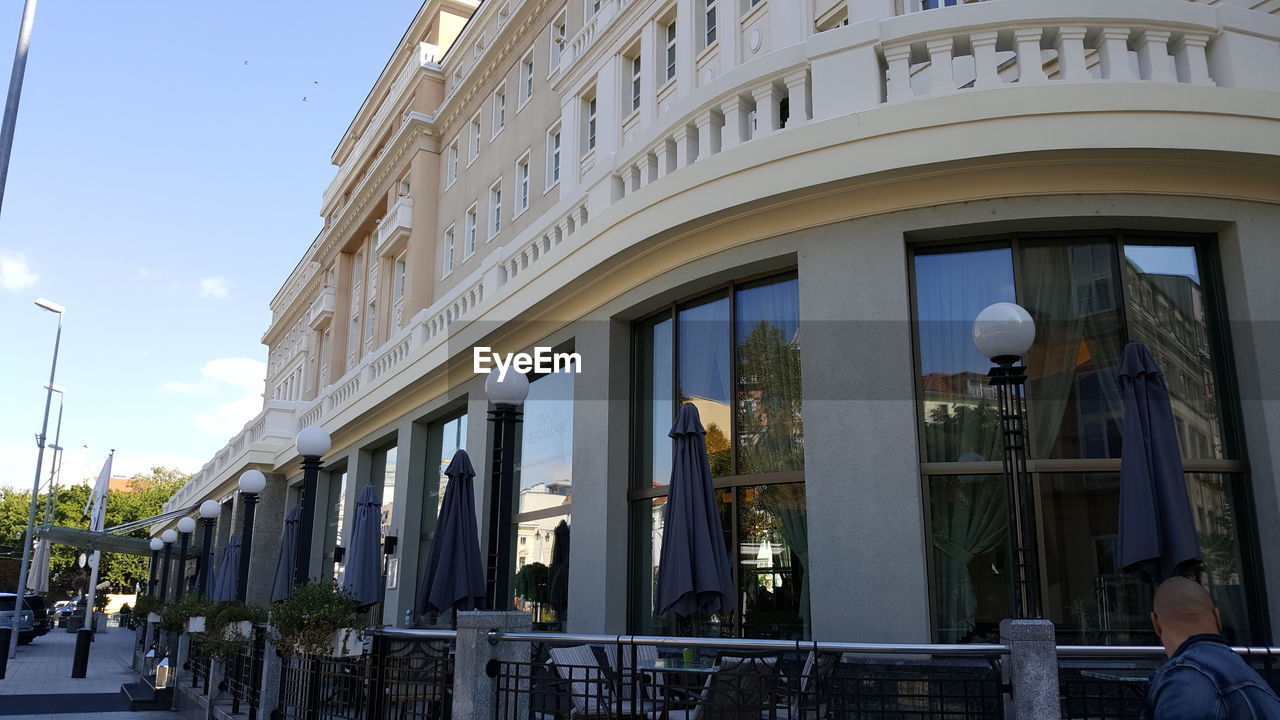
(569, 676)
(243, 678)
(1112, 681)
(199, 661)
(407, 674)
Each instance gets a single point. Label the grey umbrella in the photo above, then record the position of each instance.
(224, 587)
(363, 576)
(1157, 536)
(282, 585)
(454, 577)
(559, 571)
(693, 574)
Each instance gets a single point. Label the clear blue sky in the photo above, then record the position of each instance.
(162, 189)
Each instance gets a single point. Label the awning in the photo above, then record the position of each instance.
(89, 541)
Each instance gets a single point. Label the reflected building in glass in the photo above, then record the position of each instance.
(792, 223)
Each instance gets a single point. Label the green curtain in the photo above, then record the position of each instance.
(969, 519)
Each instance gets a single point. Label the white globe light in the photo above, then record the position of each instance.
(252, 482)
(510, 390)
(1004, 330)
(210, 509)
(187, 525)
(157, 544)
(313, 441)
(168, 536)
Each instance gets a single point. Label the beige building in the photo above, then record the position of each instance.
(789, 212)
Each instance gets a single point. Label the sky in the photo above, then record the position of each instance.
(165, 179)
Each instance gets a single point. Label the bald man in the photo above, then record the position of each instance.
(1203, 679)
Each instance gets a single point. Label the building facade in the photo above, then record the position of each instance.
(788, 212)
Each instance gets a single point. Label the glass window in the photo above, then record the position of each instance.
(1089, 295)
(591, 124)
(451, 163)
(447, 248)
(397, 291)
(957, 406)
(522, 184)
(544, 481)
(334, 516)
(473, 151)
(499, 110)
(558, 32)
(635, 83)
(526, 78)
(553, 156)
(386, 476)
(495, 208)
(470, 230)
(710, 23)
(743, 375)
(671, 50)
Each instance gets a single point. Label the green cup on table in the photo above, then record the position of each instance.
(687, 656)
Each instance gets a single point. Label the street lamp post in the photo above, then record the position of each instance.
(1004, 332)
(168, 537)
(209, 511)
(50, 499)
(313, 442)
(186, 526)
(507, 394)
(19, 600)
(252, 482)
(156, 546)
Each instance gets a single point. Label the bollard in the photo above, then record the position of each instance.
(5, 634)
(80, 665)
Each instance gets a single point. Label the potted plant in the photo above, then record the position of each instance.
(150, 606)
(319, 618)
(175, 616)
(229, 628)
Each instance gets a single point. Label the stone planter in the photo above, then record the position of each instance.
(195, 624)
(347, 643)
(153, 617)
(243, 628)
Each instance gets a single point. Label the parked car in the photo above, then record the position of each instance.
(42, 619)
(26, 623)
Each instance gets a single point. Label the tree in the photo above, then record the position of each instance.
(145, 496)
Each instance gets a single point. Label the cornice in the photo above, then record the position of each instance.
(513, 32)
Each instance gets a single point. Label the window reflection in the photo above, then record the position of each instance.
(969, 521)
(773, 559)
(1167, 312)
(388, 478)
(704, 370)
(770, 430)
(444, 438)
(334, 515)
(958, 407)
(647, 527)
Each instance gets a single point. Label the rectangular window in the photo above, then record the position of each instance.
(671, 50)
(473, 151)
(553, 156)
(370, 319)
(334, 514)
(526, 78)
(710, 23)
(397, 290)
(591, 124)
(499, 109)
(444, 438)
(451, 163)
(469, 230)
(522, 184)
(559, 30)
(495, 208)
(635, 83)
(447, 248)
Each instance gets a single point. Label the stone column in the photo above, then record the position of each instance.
(1191, 62)
(708, 134)
(1153, 56)
(268, 523)
(766, 110)
(1114, 53)
(269, 688)
(735, 123)
(1031, 669)
(899, 77)
(474, 692)
(1030, 63)
(797, 97)
(941, 66)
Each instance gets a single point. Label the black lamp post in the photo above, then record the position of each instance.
(156, 546)
(252, 482)
(186, 526)
(507, 393)
(209, 511)
(313, 442)
(1004, 332)
(167, 537)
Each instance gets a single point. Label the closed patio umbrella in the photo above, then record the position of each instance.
(693, 575)
(363, 576)
(454, 577)
(558, 591)
(1157, 536)
(38, 573)
(282, 584)
(224, 587)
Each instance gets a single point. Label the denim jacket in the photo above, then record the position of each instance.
(1206, 680)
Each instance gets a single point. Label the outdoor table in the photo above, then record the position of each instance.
(675, 664)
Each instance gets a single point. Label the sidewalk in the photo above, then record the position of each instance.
(38, 683)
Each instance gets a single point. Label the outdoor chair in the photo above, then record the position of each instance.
(590, 685)
(645, 656)
(810, 699)
(739, 688)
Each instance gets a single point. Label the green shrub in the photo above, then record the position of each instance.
(174, 615)
(306, 621)
(147, 604)
(220, 637)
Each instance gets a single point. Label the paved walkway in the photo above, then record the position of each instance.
(38, 683)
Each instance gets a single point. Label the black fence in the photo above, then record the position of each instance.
(406, 675)
(243, 675)
(199, 661)
(798, 682)
(1115, 687)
